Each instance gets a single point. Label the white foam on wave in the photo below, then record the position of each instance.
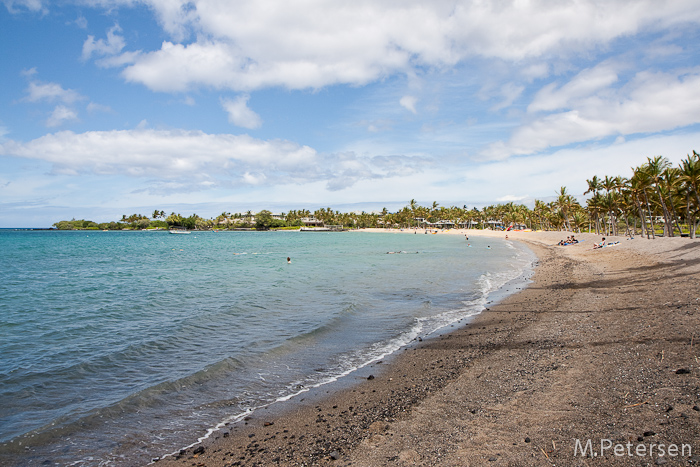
(489, 282)
(354, 362)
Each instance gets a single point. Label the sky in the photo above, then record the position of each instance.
(117, 107)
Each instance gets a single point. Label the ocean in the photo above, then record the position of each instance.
(120, 347)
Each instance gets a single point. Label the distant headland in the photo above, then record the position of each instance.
(657, 200)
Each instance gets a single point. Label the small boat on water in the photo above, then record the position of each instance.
(178, 231)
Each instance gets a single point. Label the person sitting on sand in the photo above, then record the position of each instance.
(600, 245)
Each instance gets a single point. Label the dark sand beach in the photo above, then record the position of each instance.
(603, 345)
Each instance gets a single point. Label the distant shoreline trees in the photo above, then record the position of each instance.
(657, 200)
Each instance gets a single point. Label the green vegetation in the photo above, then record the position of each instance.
(657, 199)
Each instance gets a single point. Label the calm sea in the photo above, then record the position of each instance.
(118, 347)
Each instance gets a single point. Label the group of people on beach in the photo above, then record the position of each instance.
(572, 241)
(569, 241)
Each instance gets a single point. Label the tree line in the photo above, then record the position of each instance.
(657, 199)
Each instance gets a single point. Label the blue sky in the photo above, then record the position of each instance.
(114, 107)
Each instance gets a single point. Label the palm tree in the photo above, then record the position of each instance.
(594, 186)
(595, 206)
(540, 211)
(655, 168)
(690, 178)
(413, 205)
(641, 182)
(672, 183)
(579, 220)
(564, 202)
(609, 184)
(690, 174)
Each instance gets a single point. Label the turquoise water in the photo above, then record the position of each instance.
(118, 347)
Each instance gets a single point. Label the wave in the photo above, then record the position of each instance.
(180, 352)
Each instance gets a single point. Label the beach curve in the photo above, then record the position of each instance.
(601, 347)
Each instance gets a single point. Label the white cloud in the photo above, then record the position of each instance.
(178, 18)
(60, 115)
(195, 156)
(239, 114)
(14, 6)
(650, 102)
(588, 82)
(409, 103)
(508, 93)
(81, 22)
(253, 179)
(29, 73)
(541, 174)
(535, 71)
(112, 46)
(112, 61)
(94, 107)
(377, 126)
(249, 45)
(513, 198)
(51, 92)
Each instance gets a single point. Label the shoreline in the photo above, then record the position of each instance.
(590, 350)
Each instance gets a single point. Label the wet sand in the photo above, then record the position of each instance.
(601, 346)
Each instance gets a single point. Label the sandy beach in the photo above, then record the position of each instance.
(594, 363)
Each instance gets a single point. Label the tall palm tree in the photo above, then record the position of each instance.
(641, 181)
(564, 202)
(594, 186)
(655, 168)
(672, 182)
(689, 176)
(609, 185)
(595, 206)
(540, 212)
